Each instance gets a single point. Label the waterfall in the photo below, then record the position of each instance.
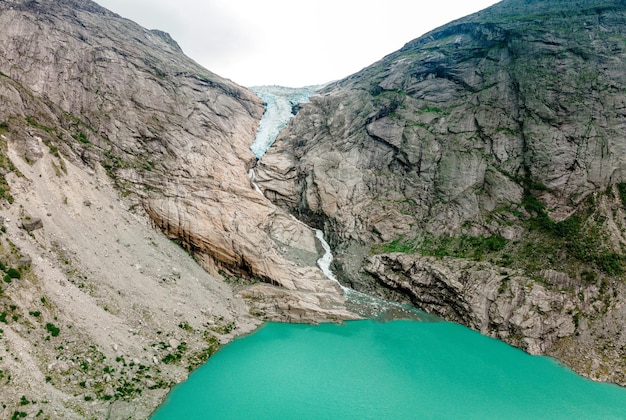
(326, 260)
(279, 102)
(252, 176)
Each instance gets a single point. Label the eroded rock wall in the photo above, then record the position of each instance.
(173, 135)
(505, 304)
(454, 125)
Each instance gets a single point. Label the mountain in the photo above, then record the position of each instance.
(118, 154)
(478, 173)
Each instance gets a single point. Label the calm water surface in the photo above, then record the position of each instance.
(392, 370)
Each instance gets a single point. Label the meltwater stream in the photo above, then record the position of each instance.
(362, 303)
(383, 370)
(280, 103)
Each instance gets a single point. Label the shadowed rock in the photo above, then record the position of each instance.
(32, 224)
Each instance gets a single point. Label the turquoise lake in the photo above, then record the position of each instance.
(391, 370)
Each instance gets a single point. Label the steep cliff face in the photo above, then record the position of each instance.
(174, 136)
(497, 137)
(450, 127)
(107, 131)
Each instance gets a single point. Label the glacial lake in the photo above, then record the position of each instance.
(392, 370)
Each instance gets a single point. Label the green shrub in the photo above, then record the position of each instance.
(464, 246)
(171, 358)
(185, 326)
(567, 228)
(609, 262)
(13, 273)
(81, 137)
(52, 329)
(588, 277)
(621, 187)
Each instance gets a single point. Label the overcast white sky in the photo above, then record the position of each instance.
(290, 42)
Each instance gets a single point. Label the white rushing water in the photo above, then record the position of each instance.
(327, 259)
(362, 303)
(252, 176)
(279, 104)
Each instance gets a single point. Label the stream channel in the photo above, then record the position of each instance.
(401, 369)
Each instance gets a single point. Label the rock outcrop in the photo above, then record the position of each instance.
(456, 124)
(499, 137)
(505, 304)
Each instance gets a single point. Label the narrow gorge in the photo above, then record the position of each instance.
(281, 105)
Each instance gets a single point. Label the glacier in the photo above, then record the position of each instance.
(279, 109)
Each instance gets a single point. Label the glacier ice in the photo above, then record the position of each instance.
(279, 103)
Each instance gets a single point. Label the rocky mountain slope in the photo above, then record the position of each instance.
(109, 133)
(490, 151)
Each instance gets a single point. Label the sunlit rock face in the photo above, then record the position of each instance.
(508, 124)
(174, 136)
(108, 132)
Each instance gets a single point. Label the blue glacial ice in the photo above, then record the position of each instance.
(279, 104)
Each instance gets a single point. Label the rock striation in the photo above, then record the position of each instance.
(498, 137)
(174, 136)
(494, 302)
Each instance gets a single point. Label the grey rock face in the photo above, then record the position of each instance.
(450, 127)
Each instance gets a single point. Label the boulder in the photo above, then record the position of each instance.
(31, 224)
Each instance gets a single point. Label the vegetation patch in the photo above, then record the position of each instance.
(13, 273)
(577, 245)
(81, 137)
(176, 355)
(621, 187)
(577, 239)
(6, 166)
(463, 246)
(34, 123)
(53, 329)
